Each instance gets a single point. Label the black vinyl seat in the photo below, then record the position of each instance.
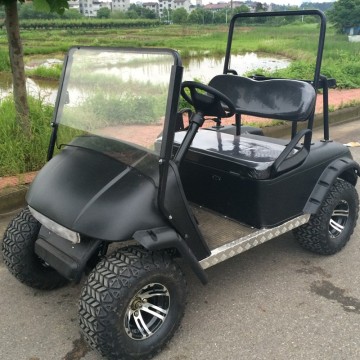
(248, 156)
(281, 99)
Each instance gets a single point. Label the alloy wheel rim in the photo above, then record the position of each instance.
(339, 218)
(147, 311)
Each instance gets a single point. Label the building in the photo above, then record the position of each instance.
(120, 5)
(154, 6)
(169, 5)
(90, 7)
(74, 5)
(182, 4)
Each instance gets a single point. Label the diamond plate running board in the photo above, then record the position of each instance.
(245, 243)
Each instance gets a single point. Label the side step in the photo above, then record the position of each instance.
(247, 242)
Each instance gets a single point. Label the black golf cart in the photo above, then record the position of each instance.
(126, 170)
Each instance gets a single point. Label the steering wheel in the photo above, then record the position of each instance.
(213, 103)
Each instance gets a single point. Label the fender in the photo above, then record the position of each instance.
(167, 238)
(343, 168)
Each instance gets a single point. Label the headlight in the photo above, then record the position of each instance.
(62, 231)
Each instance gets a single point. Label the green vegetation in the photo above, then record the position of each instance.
(20, 154)
(4, 60)
(86, 23)
(47, 72)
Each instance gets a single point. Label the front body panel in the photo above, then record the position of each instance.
(96, 195)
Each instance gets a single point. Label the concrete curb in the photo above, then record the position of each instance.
(337, 117)
(13, 198)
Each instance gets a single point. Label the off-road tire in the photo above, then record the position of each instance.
(20, 258)
(110, 290)
(341, 207)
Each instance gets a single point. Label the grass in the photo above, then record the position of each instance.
(20, 154)
(46, 72)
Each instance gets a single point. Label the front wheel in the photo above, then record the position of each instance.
(19, 254)
(330, 229)
(132, 304)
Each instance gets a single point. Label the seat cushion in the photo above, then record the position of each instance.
(248, 156)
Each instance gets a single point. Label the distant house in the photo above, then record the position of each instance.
(353, 30)
(120, 5)
(227, 5)
(170, 5)
(90, 7)
(217, 7)
(74, 4)
(182, 4)
(353, 33)
(154, 6)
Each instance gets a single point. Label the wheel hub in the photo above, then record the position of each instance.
(147, 311)
(339, 218)
(137, 304)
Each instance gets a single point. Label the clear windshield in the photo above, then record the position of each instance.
(114, 94)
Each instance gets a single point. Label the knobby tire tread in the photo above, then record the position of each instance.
(105, 285)
(20, 258)
(314, 235)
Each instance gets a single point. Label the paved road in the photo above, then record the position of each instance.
(275, 302)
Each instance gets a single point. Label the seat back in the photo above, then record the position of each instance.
(281, 99)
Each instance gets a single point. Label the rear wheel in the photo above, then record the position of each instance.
(20, 258)
(132, 304)
(330, 229)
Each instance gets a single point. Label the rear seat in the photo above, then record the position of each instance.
(281, 99)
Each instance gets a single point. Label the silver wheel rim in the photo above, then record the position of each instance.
(147, 311)
(339, 218)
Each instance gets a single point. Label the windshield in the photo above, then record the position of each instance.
(115, 100)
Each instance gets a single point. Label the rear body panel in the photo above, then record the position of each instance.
(223, 185)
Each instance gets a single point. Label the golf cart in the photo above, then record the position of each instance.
(130, 186)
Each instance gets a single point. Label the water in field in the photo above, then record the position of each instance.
(202, 69)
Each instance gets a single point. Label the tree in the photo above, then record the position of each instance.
(118, 14)
(103, 13)
(16, 54)
(259, 7)
(241, 9)
(200, 16)
(179, 16)
(28, 11)
(345, 14)
(136, 12)
(167, 15)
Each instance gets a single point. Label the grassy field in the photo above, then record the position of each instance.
(297, 42)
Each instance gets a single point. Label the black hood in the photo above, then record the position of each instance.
(96, 195)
